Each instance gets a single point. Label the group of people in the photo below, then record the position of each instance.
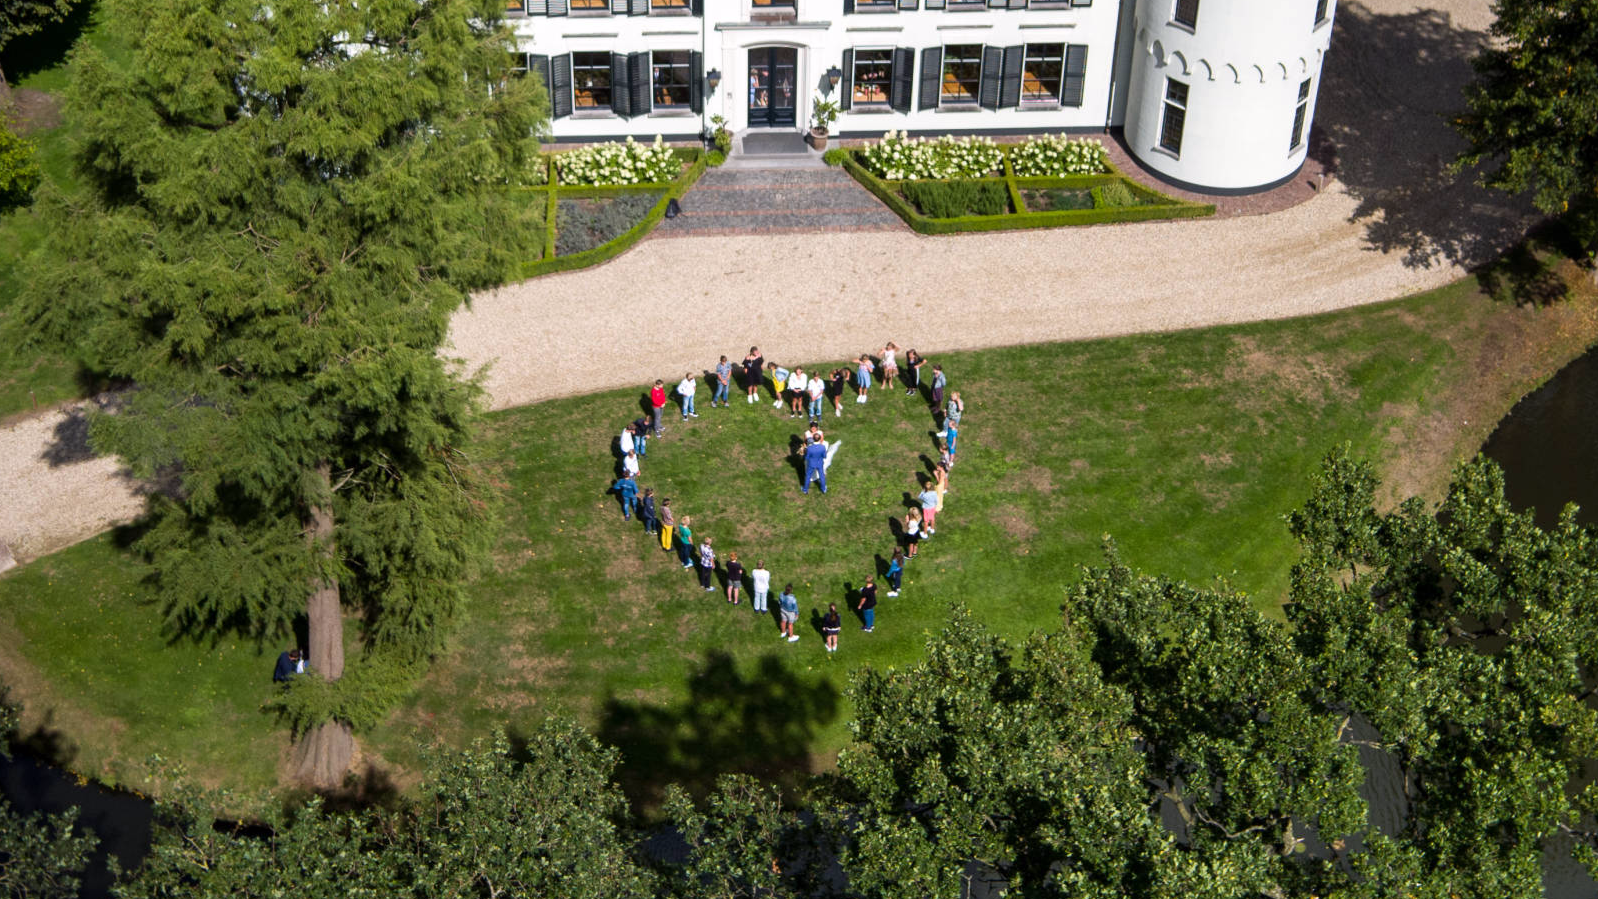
(803, 394)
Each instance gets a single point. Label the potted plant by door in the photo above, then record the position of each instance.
(822, 114)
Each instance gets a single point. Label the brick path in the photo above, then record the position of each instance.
(790, 200)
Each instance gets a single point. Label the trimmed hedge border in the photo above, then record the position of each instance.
(1161, 207)
(669, 190)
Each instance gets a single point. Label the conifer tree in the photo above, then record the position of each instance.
(282, 206)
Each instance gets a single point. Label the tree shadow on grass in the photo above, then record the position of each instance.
(1391, 86)
(49, 47)
(761, 724)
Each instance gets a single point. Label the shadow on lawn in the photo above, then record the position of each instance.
(761, 724)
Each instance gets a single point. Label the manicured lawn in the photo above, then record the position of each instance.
(1186, 448)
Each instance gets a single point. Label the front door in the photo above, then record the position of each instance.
(772, 76)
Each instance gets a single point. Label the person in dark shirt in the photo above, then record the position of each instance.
(735, 577)
(831, 624)
(868, 604)
(289, 663)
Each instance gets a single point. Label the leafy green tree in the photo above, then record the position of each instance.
(737, 845)
(1469, 648)
(1533, 108)
(41, 856)
(19, 170)
(281, 209)
(20, 18)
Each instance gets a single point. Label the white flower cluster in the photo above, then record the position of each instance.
(900, 157)
(1056, 154)
(624, 163)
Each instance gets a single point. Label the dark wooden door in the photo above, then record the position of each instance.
(773, 86)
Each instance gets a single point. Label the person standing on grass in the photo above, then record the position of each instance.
(831, 624)
(890, 364)
(628, 442)
(668, 524)
(657, 403)
(912, 533)
(685, 541)
(912, 371)
(868, 605)
(951, 423)
(707, 565)
(815, 466)
(840, 379)
(862, 377)
(895, 573)
(798, 392)
(735, 577)
(646, 511)
(629, 464)
(938, 383)
(685, 390)
(817, 388)
(723, 381)
(788, 608)
(779, 383)
(761, 579)
(929, 511)
(754, 370)
(627, 491)
(641, 436)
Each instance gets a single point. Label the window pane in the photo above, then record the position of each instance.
(1041, 72)
(671, 78)
(873, 73)
(1176, 92)
(591, 80)
(1175, 116)
(601, 5)
(772, 4)
(668, 4)
(962, 73)
(1186, 12)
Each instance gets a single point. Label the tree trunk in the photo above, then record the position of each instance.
(324, 753)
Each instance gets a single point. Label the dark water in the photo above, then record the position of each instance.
(1548, 445)
(120, 820)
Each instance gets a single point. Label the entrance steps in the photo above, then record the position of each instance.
(766, 200)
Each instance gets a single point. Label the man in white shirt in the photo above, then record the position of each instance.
(762, 580)
(685, 389)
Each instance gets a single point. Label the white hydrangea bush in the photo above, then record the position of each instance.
(630, 162)
(900, 157)
(1055, 154)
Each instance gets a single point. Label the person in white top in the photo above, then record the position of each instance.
(629, 464)
(685, 390)
(762, 580)
(798, 392)
(890, 363)
(627, 445)
(818, 389)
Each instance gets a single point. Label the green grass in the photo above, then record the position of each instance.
(1187, 448)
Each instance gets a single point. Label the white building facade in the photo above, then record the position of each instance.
(1213, 94)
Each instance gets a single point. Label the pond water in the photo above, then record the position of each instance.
(120, 820)
(1546, 445)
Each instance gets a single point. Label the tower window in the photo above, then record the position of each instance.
(1320, 11)
(1298, 116)
(1186, 13)
(1175, 116)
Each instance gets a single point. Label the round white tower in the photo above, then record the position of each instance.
(1223, 91)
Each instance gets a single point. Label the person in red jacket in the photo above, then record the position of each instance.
(657, 402)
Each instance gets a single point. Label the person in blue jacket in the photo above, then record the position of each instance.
(289, 663)
(627, 489)
(815, 465)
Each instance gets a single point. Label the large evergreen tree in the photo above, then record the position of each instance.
(1533, 108)
(282, 206)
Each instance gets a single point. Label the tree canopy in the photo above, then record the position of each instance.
(19, 169)
(20, 18)
(281, 207)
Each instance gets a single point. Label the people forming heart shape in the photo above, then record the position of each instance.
(803, 394)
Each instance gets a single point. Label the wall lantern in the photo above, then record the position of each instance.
(833, 77)
(713, 78)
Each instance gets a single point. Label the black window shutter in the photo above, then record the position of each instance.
(931, 73)
(904, 73)
(537, 7)
(539, 64)
(907, 4)
(1016, 4)
(639, 7)
(620, 97)
(696, 80)
(1076, 67)
(1010, 87)
(1081, 2)
(996, 4)
(618, 7)
(992, 62)
(698, 7)
(846, 90)
(639, 83)
(934, 4)
(560, 85)
(557, 7)
(848, 7)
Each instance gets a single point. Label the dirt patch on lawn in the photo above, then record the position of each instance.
(1310, 378)
(1016, 524)
(32, 110)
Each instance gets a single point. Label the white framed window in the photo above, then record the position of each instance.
(962, 75)
(670, 79)
(1042, 71)
(1299, 113)
(1175, 117)
(591, 86)
(1320, 12)
(872, 78)
(1186, 13)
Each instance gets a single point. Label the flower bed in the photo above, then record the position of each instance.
(1055, 154)
(899, 157)
(616, 164)
(583, 223)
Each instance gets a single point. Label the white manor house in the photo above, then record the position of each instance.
(1216, 95)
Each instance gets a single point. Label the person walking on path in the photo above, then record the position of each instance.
(840, 379)
(685, 390)
(707, 565)
(912, 532)
(657, 403)
(788, 609)
(668, 524)
(685, 541)
(929, 510)
(831, 624)
(938, 383)
(912, 371)
(641, 436)
(890, 364)
(895, 573)
(754, 370)
(627, 491)
(779, 383)
(868, 605)
(761, 580)
(735, 577)
(862, 377)
(815, 465)
(951, 423)
(817, 388)
(646, 511)
(723, 381)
